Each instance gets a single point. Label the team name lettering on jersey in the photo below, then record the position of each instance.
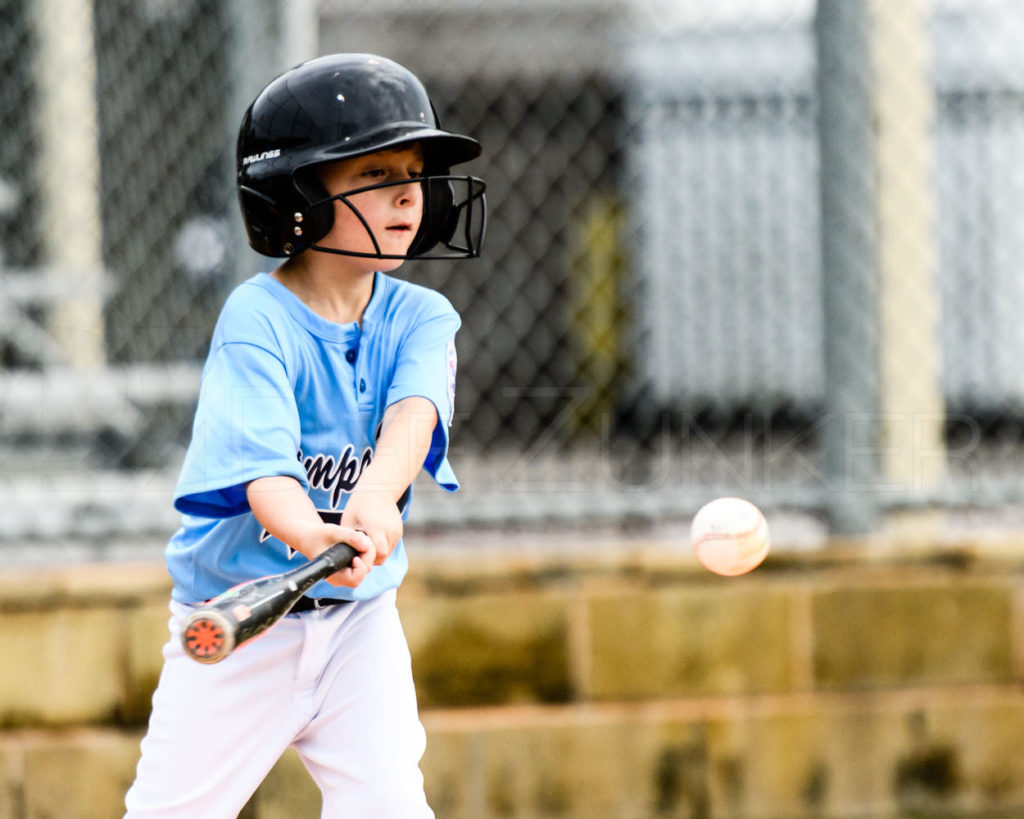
(335, 474)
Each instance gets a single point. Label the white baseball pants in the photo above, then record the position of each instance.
(335, 684)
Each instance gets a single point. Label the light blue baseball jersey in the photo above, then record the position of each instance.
(287, 392)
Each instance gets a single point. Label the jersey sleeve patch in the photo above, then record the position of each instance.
(452, 368)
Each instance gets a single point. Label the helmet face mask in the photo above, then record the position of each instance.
(339, 107)
(452, 225)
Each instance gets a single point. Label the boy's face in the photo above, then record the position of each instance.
(393, 213)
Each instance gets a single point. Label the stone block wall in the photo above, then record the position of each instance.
(629, 683)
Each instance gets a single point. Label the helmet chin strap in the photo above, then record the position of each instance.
(356, 254)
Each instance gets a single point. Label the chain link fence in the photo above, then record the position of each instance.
(760, 248)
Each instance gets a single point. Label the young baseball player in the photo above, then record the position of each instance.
(327, 387)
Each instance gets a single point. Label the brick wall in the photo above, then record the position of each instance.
(626, 684)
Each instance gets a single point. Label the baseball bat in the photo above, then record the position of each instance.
(215, 629)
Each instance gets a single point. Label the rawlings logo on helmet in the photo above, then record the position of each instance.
(249, 160)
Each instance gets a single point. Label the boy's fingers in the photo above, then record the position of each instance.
(351, 576)
(374, 545)
(380, 547)
(356, 538)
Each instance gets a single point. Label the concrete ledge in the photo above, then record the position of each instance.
(86, 585)
(82, 645)
(81, 773)
(927, 751)
(905, 630)
(841, 755)
(627, 684)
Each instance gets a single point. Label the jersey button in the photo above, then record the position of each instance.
(350, 356)
(362, 385)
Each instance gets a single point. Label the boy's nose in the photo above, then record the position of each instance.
(409, 194)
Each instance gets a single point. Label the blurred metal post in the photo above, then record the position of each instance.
(254, 43)
(912, 405)
(69, 175)
(885, 409)
(300, 31)
(850, 434)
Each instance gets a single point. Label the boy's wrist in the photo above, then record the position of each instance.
(378, 490)
(308, 541)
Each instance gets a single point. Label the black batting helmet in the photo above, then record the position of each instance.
(337, 107)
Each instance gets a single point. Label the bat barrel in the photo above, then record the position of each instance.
(208, 636)
(214, 630)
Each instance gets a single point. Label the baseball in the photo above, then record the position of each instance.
(729, 536)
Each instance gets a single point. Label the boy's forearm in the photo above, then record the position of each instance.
(284, 509)
(404, 442)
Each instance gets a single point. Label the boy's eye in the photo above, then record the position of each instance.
(381, 173)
